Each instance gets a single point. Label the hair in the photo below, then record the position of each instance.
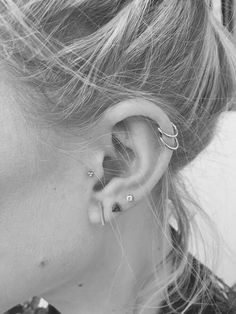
(83, 56)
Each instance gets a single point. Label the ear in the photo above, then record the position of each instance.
(129, 155)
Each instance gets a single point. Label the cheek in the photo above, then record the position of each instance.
(15, 156)
(45, 235)
(43, 249)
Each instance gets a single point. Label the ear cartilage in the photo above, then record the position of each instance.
(174, 136)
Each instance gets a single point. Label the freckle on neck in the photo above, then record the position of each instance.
(43, 263)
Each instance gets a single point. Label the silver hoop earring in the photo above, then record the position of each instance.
(174, 136)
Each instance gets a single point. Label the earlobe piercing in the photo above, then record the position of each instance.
(91, 173)
(102, 215)
(130, 198)
(116, 207)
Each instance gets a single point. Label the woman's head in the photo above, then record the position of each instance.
(84, 85)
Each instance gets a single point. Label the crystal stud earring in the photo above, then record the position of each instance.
(90, 173)
(130, 198)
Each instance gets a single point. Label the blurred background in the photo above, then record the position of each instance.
(212, 180)
(212, 176)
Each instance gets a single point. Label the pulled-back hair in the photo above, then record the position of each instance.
(83, 56)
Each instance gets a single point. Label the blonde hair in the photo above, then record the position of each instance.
(83, 56)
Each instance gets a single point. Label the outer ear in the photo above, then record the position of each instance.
(144, 161)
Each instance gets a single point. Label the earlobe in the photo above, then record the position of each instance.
(151, 155)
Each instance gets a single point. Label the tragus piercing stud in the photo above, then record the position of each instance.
(90, 173)
(116, 207)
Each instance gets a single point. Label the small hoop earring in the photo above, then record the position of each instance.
(174, 136)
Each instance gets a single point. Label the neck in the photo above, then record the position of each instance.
(131, 249)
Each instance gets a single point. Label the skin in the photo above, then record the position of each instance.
(52, 243)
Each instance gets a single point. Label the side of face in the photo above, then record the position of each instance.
(45, 235)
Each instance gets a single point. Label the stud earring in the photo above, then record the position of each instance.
(90, 173)
(130, 198)
(116, 207)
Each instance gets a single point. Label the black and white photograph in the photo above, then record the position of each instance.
(117, 156)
